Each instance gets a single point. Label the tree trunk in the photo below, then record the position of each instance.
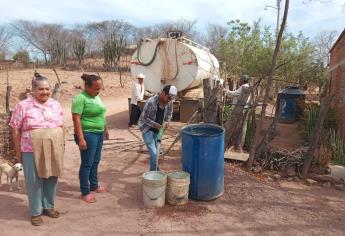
(45, 58)
(8, 92)
(206, 86)
(213, 106)
(8, 97)
(268, 137)
(212, 102)
(57, 91)
(234, 124)
(57, 76)
(253, 148)
(314, 139)
(230, 84)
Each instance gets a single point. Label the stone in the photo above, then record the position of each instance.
(339, 187)
(310, 182)
(276, 177)
(290, 179)
(270, 179)
(326, 184)
(296, 178)
(257, 169)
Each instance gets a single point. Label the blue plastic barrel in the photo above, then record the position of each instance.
(288, 110)
(203, 159)
(290, 104)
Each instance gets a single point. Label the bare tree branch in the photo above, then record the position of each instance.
(5, 37)
(254, 152)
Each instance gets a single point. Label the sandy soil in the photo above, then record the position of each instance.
(250, 205)
(20, 80)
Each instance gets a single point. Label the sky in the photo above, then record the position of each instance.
(308, 16)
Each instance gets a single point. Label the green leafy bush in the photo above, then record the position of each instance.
(22, 56)
(337, 145)
(226, 112)
(310, 119)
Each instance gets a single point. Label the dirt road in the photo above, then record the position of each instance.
(249, 206)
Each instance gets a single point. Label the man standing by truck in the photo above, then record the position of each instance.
(157, 112)
(138, 90)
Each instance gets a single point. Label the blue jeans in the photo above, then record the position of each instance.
(90, 159)
(41, 192)
(150, 141)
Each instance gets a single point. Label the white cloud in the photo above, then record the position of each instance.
(317, 16)
(309, 18)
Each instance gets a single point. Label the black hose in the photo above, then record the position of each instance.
(152, 59)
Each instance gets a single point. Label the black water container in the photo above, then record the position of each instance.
(291, 104)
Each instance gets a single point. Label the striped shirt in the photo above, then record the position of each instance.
(148, 116)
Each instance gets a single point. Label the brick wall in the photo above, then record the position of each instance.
(338, 81)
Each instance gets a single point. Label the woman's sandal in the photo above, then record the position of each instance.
(52, 213)
(36, 220)
(100, 189)
(89, 198)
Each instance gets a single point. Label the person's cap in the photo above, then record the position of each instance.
(141, 75)
(170, 90)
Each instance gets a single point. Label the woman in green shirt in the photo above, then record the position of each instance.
(88, 113)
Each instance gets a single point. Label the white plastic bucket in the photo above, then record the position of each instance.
(154, 185)
(178, 187)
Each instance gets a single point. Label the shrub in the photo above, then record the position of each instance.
(337, 145)
(2, 56)
(226, 112)
(22, 56)
(310, 119)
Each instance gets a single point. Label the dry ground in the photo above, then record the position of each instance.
(250, 205)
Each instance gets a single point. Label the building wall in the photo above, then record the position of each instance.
(338, 81)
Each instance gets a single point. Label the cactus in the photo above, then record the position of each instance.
(113, 49)
(79, 49)
(58, 53)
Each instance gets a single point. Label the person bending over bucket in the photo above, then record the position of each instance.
(157, 112)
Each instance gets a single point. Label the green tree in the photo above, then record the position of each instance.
(2, 56)
(246, 49)
(296, 59)
(22, 56)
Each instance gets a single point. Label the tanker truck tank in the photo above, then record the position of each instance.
(175, 61)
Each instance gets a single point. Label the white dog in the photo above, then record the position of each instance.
(11, 172)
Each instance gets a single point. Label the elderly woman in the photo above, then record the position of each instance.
(88, 113)
(39, 144)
